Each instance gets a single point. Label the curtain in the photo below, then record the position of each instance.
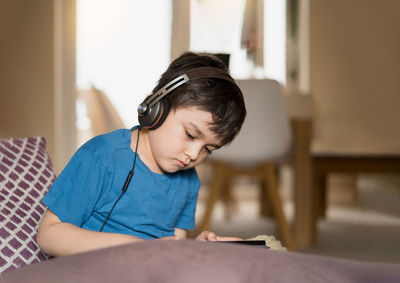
(253, 31)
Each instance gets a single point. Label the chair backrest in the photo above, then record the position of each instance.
(265, 134)
(102, 113)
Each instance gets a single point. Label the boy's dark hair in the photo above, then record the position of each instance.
(221, 98)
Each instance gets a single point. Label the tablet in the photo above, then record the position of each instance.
(246, 242)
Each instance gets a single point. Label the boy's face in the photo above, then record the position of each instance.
(184, 140)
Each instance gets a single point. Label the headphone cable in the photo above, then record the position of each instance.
(126, 184)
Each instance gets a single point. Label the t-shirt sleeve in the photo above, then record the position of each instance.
(187, 218)
(75, 191)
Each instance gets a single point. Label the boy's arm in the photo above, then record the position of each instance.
(180, 233)
(57, 238)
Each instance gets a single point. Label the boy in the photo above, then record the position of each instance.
(139, 184)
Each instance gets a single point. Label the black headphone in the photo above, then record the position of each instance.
(153, 110)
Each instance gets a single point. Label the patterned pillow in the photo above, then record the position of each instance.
(26, 174)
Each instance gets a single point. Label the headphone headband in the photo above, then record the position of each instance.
(191, 75)
(153, 99)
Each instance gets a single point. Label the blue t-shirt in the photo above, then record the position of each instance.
(153, 205)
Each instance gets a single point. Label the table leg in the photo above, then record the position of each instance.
(305, 225)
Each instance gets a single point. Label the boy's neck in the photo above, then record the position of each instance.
(144, 150)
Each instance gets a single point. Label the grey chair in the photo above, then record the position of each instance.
(263, 142)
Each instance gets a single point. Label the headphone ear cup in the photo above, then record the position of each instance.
(155, 115)
(164, 109)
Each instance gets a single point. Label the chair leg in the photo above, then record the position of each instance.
(230, 204)
(265, 206)
(273, 193)
(219, 180)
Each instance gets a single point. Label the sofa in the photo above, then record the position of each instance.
(26, 174)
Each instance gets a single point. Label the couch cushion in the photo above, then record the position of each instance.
(198, 262)
(26, 174)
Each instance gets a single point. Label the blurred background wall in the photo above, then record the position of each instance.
(37, 73)
(354, 73)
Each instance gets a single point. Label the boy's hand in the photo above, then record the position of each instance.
(211, 237)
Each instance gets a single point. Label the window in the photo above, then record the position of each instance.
(216, 27)
(123, 46)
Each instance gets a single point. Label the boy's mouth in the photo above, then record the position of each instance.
(181, 164)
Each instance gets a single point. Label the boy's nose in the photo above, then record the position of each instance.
(193, 153)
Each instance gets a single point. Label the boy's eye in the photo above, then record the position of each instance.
(189, 135)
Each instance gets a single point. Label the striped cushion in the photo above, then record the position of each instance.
(26, 174)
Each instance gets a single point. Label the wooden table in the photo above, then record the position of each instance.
(311, 171)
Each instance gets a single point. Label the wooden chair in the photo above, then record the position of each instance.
(263, 142)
